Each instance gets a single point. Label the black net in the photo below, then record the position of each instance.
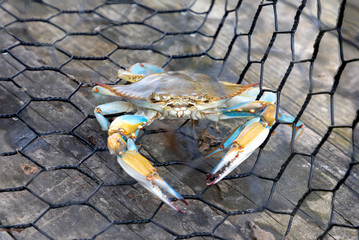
(58, 180)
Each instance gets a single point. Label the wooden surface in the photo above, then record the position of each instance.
(132, 202)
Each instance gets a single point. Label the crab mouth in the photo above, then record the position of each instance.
(182, 106)
(179, 108)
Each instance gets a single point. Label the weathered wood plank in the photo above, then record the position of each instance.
(132, 201)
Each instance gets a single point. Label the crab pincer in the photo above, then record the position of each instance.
(244, 140)
(249, 139)
(122, 132)
(142, 170)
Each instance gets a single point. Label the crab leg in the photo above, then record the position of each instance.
(231, 137)
(299, 126)
(242, 147)
(254, 110)
(141, 169)
(251, 136)
(245, 139)
(251, 94)
(236, 102)
(100, 92)
(122, 132)
(138, 71)
(110, 108)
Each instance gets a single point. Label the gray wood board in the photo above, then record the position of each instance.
(131, 202)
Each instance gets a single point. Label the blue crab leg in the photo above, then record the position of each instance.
(145, 69)
(131, 146)
(100, 93)
(252, 110)
(250, 138)
(110, 108)
(142, 170)
(138, 71)
(243, 99)
(244, 140)
(126, 127)
(299, 126)
(265, 110)
(231, 137)
(250, 95)
(121, 129)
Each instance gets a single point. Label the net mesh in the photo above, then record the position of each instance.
(58, 180)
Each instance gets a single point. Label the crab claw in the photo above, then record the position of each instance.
(141, 169)
(138, 71)
(226, 143)
(250, 138)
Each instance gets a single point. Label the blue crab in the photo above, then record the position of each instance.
(156, 94)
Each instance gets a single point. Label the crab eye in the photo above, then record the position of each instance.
(202, 98)
(155, 97)
(159, 97)
(164, 97)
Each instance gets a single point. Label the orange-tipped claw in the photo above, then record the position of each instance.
(251, 137)
(142, 170)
